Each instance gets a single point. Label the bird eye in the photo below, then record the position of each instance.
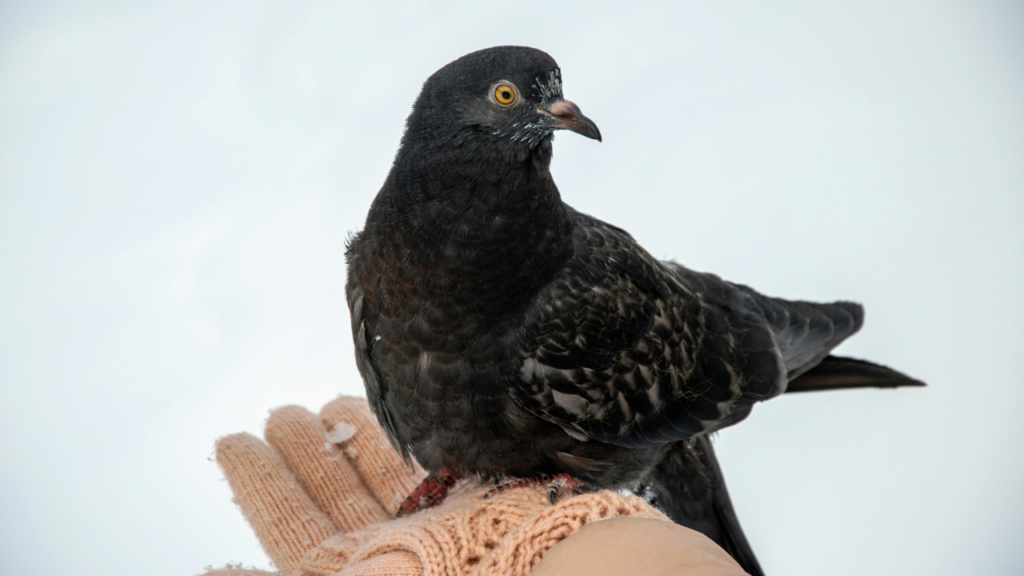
(504, 94)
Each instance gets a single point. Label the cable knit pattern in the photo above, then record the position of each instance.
(468, 535)
(522, 549)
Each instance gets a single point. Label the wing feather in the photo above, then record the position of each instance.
(628, 350)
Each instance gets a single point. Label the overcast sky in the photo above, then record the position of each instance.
(177, 181)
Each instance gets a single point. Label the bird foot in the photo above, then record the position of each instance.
(431, 492)
(556, 485)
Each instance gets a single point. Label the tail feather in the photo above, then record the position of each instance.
(687, 484)
(838, 372)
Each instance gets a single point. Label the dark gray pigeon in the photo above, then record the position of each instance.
(503, 334)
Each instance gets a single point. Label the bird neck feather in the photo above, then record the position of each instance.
(464, 232)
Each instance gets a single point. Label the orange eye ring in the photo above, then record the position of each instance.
(505, 94)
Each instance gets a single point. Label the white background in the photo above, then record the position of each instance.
(177, 182)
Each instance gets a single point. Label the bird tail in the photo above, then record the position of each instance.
(687, 484)
(838, 373)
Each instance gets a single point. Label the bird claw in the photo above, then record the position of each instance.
(561, 482)
(553, 493)
(431, 492)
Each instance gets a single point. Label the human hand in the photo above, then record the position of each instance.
(321, 496)
(319, 477)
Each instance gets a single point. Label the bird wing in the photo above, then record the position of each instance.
(375, 385)
(628, 350)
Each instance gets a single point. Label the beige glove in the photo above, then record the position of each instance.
(322, 495)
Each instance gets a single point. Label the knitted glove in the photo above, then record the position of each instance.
(322, 495)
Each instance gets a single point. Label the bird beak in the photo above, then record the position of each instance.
(569, 117)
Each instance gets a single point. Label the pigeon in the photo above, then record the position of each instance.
(502, 334)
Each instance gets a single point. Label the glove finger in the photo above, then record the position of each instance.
(286, 521)
(326, 474)
(383, 470)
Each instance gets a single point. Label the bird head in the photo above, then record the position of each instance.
(506, 99)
